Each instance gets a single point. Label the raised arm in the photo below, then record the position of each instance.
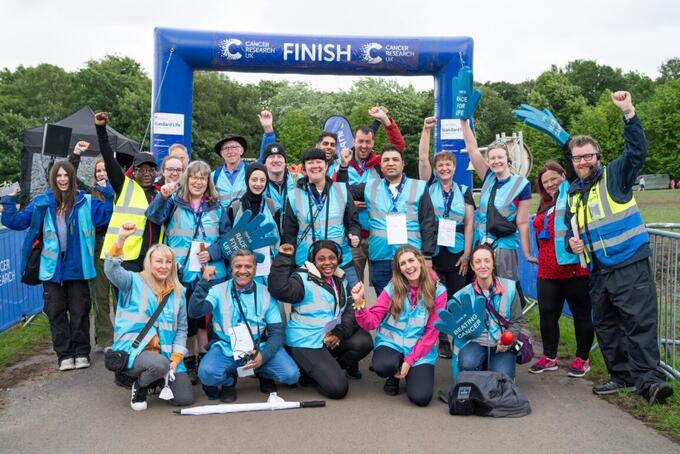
(268, 135)
(424, 166)
(476, 158)
(283, 284)
(113, 169)
(113, 268)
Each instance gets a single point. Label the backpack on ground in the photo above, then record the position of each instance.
(485, 393)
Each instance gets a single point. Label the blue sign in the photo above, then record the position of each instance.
(340, 126)
(178, 53)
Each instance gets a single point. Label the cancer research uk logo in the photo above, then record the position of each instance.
(367, 53)
(227, 49)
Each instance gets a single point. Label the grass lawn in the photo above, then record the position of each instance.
(17, 343)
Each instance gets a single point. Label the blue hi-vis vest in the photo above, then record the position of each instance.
(503, 202)
(456, 213)
(226, 314)
(611, 231)
(135, 308)
(502, 303)
(319, 306)
(560, 236)
(226, 190)
(355, 178)
(333, 208)
(379, 205)
(403, 334)
(279, 198)
(179, 234)
(52, 249)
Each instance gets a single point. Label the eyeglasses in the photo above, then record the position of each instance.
(584, 157)
(146, 170)
(232, 147)
(174, 169)
(198, 178)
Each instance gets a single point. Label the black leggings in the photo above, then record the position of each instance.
(326, 367)
(419, 380)
(551, 296)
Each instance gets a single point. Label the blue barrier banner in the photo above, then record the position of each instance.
(17, 300)
(339, 125)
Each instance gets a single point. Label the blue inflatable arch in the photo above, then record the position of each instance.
(180, 52)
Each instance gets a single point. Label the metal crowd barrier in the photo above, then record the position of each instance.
(664, 240)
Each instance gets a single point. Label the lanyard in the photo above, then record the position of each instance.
(313, 215)
(235, 296)
(545, 233)
(393, 198)
(198, 215)
(318, 203)
(448, 198)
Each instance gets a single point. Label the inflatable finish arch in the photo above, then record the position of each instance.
(179, 52)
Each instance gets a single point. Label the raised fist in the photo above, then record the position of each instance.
(127, 229)
(345, 157)
(81, 146)
(429, 123)
(287, 249)
(266, 120)
(101, 118)
(623, 101)
(208, 272)
(379, 114)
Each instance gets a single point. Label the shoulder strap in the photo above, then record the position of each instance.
(151, 321)
(216, 174)
(499, 318)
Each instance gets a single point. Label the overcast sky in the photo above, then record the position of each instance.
(514, 40)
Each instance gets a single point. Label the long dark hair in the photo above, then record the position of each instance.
(546, 200)
(64, 199)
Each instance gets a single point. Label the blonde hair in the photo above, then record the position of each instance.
(426, 283)
(204, 169)
(173, 279)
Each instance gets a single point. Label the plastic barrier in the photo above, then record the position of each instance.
(17, 300)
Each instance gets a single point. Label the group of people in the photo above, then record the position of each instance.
(296, 311)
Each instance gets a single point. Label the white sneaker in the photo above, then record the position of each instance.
(138, 397)
(82, 362)
(67, 364)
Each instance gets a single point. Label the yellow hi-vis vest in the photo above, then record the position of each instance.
(611, 231)
(130, 206)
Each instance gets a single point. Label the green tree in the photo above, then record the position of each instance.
(12, 126)
(593, 79)
(661, 117)
(669, 70)
(297, 132)
(554, 91)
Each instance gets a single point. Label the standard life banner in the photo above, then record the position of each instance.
(395, 55)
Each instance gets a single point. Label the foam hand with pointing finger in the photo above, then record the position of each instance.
(466, 97)
(542, 120)
(249, 234)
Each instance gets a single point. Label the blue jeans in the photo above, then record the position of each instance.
(476, 357)
(218, 369)
(381, 274)
(351, 275)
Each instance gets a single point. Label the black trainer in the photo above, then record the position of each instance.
(267, 386)
(138, 397)
(445, 349)
(354, 372)
(659, 392)
(611, 387)
(228, 394)
(212, 392)
(391, 387)
(191, 363)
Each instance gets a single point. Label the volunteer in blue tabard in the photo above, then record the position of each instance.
(400, 212)
(280, 180)
(255, 199)
(319, 209)
(502, 218)
(161, 350)
(502, 307)
(64, 219)
(229, 179)
(454, 210)
(613, 238)
(193, 218)
(322, 334)
(247, 329)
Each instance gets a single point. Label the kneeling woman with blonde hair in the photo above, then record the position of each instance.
(162, 348)
(404, 314)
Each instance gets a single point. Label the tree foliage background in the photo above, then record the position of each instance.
(577, 94)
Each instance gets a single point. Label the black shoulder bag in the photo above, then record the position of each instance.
(116, 360)
(496, 223)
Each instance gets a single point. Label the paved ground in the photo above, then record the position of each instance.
(82, 411)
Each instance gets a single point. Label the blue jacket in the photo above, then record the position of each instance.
(69, 267)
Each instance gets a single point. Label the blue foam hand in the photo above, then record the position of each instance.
(466, 98)
(462, 319)
(543, 121)
(247, 234)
